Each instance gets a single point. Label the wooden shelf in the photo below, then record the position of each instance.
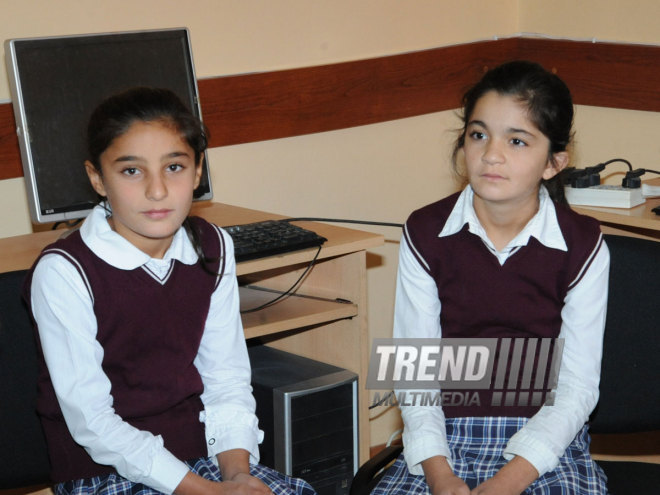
(293, 312)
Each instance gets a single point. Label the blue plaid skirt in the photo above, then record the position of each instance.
(477, 445)
(113, 484)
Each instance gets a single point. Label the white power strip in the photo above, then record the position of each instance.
(604, 195)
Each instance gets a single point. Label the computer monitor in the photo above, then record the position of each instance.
(56, 82)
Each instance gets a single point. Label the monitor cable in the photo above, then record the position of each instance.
(311, 264)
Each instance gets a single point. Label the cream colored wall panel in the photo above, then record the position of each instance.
(612, 20)
(15, 218)
(379, 172)
(238, 36)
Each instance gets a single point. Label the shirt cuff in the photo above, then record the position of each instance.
(237, 430)
(418, 449)
(533, 451)
(166, 473)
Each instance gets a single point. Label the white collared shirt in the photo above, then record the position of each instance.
(543, 226)
(543, 440)
(67, 329)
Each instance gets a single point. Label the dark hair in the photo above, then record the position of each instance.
(548, 100)
(115, 115)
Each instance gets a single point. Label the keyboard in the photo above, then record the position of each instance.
(270, 237)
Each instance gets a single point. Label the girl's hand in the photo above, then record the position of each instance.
(451, 485)
(512, 479)
(235, 470)
(237, 480)
(240, 484)
(495, 486)
(441, 479)
(244, 484)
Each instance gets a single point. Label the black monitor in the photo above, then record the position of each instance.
(55, 84)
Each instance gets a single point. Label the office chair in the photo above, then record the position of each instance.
(629, 400)
(23, 455)
(373, 470)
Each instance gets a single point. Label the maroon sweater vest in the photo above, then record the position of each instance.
(150, 333)
(481, 298)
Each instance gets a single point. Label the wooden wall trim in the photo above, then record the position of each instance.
(255, 107)
(602, 74)
(315, 99)
(10, 155)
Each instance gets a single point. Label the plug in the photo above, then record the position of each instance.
(632, 179)
(593, 174)
(577, 178)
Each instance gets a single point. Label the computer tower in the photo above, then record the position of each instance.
(308, 411)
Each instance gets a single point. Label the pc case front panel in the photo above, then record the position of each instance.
(316, 431)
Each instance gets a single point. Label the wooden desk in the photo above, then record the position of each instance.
(637, 221)
(326, 320)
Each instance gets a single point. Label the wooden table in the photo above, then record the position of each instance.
(637, 221)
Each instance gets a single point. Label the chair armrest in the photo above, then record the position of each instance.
(372, 470)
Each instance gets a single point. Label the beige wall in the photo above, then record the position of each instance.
(377, 172)
(604, 20)
(238, 36)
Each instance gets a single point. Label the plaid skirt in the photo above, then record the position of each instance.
(477, 445)
(113, 484)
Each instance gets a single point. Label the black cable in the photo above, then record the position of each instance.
(67, 223)
(652, 171)
(383, 400)
(289, 291)
(617, 160)
(339, 220)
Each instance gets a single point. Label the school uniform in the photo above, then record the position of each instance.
(144, 361)
(550, 281)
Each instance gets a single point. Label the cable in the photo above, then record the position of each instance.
(67, 223)
(385, 398)
(613, 160)
(393, 437)
(338, 220)
(290, 290)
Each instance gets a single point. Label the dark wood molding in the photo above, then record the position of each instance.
(602, 74)
(10, 155)
(255, 107)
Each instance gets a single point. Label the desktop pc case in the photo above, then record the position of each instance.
(308, 411)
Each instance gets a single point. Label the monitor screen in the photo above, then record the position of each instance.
(56, 82)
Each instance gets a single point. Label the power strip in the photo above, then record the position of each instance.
(604, 195)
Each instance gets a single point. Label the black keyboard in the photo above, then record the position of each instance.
(270, 237)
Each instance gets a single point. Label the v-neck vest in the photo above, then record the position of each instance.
(523, 298)
(150, 326)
